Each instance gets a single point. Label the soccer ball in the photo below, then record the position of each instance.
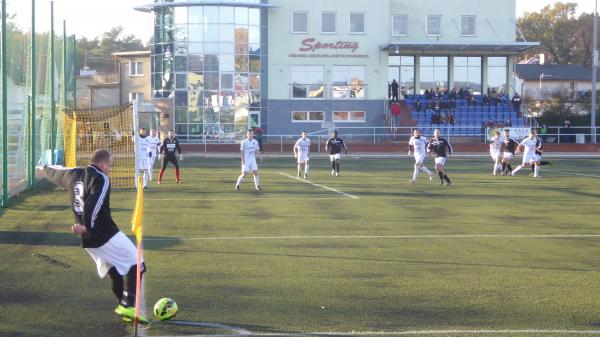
(165, 309)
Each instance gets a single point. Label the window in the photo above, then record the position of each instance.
(403, 68)
(497, 73)
(299, 22)
(434, 25)
(308, 116)
(307, 82)
(136, 68)
(467, 73)
(328, 23)
(357, 23)
(349, 116)
(136, 95)
(434, 72)
(400, 25)
(467, 25)
(348, 82)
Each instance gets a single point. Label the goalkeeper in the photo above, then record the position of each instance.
(169, 146)
(114, 254)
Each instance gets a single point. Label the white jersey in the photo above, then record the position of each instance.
(302, 146)
(142, 146)
(419, 145)
(249, 148)
(530, 145)
(153, 144)
(495, 145)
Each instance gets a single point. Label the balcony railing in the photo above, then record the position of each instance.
(323, 91)
(101, 79)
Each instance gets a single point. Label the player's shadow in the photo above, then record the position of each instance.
(70, 240)
(403, 261)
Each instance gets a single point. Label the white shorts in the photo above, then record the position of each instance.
(118, 252)
(302, 157)
(336, 156)
(143, 164)
(495, 155)
(250, 166)
(508, 155)
(530, 158)
(440, 161)
(419, 159)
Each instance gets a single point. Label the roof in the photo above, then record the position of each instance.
(554, 72)
(132, 53)
(480, 47)
(189, 3)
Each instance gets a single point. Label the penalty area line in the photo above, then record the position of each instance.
(321, 186)
(572, 174)
(415, 333)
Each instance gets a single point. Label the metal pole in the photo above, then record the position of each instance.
(64, 56)
(52, 90)
(74, 77)
(33, 98)
(594, 73)
(4, 110)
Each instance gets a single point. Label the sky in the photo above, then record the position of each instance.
(90, 18)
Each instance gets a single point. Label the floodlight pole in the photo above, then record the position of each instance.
(52, 89)
(64, 56)
(33, 98)
(4, 110)
(594, 73)
(74, 77)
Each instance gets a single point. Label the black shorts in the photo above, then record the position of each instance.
(169, 159)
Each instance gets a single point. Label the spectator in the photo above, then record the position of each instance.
(490, 124)
(436, 117)
(543, 132)
(389, 90)
(508, 123)
(395, 88)
(451, 118)
(566, 137)
(516, 102)
(258, 135)
(418, 105)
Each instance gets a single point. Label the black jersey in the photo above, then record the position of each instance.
(335, 145)
(169, 146)
(510, 145)
(440, 147)
(539, 146)
(90, 201)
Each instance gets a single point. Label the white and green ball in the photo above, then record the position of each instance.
(165, 309)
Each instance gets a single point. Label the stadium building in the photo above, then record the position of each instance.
(288, 65)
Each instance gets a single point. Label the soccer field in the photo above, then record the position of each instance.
(363, 254)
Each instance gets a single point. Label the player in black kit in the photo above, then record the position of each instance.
(335, 145)
(441, 148)
(510, 147)
(167, 151)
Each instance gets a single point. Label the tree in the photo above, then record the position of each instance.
(565, 38)
(97, 53)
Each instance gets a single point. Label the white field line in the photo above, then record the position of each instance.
(572, 174)
(239, 331)
(355, 237)
(382, 155)
(238, 199)
(416, 333)
(321, 186)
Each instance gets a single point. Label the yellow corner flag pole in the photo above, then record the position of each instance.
(136, 227)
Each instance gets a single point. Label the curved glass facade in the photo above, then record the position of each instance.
(208, 60)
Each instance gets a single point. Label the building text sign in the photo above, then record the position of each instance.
(312, 48)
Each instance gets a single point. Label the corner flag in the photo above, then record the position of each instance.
(136, 227)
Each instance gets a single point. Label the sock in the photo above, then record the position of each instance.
(299, 169)
(536, 172)
(337, 166)
(544, 163)
(116, 283)
(177, 174)
(441, 174)
(509, 167)
(240, 180)
(256, 181)
(426, 170)
(503, 167)
(137, 175)
(446, 178)
(533, 168)
(129, 290)
(333, 165)
(145, 178)
(517, 169)
(416, 173)
(306, 169)
(162, 171)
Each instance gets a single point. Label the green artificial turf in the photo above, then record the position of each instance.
(297, 257)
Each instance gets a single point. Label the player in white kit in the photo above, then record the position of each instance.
(495, 152)
(142, 157)
(249, 149)
(530, 158)
(153, 145)
(417, 145)
(301, 150)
